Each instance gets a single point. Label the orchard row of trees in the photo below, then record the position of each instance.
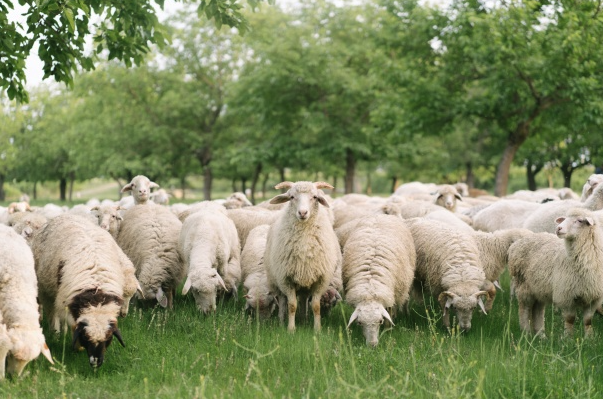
(420, 92)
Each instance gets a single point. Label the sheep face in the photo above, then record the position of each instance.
(370, 316)
(26, 345)
(571, 226)
(141, 188)
(304, 197)
(463, 307)
(263, 303)
(95, 336)
(204, 284)
(108, 218)
(447, 197)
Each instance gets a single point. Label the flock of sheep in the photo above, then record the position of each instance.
(301, 251)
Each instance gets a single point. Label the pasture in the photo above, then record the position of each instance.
(183, 354)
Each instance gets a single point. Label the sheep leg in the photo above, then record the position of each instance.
(587, 318)
(538, 319)
(491, 289)
(3, 353)
(570, 317)
(525, 313)
(316, 310)
(282, 305)
(292, 307)
(170, 298)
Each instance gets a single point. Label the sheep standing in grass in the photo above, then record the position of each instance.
(378, 269)
(258, 296)
(302, 251)
(21, 338)
(568, 274)
(149, 237)
(140, 186)
(210, 247)
(81, 281)
(449, 268)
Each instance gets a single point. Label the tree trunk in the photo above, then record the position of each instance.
(119, 185)
(531, 172)
(514, 141)
(254, 181)
(63, 189)
(350, 170)
(264, 183)
(234, 185)
(2, 192)
(183, 186)
(282, 173)
(35, 190)
(334, 190)
(469, 176)
(71, 181)
(204, 156)
(394, 184)
(243, 185)
(567, 170)
(369, 187)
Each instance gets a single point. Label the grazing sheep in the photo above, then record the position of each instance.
(257, 292)
(378, 269)
(449, 268)
(504, 214)
(494, 255)
(543, 219)
(80, 268)
(302, 251)
(21, 338)
(149, 237)
(246, 219)
(568, 274)
(210, 248)
(141, 189)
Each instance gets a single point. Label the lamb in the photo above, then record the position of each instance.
(449, 268)
(543, 219)
(80, 268)
(378, 269)
(493, 252)
(141, 189)
(149, 237)
(210, 248)
(569, 275)
(21, 338)
(258, 296)
(302, 251)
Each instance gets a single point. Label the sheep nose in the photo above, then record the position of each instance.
(302, 213)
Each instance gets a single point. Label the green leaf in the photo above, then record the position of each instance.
(69, 15)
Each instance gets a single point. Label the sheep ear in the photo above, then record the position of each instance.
(480, 302)
(153, 185)
(448, 296)
(279, 199)
(353, 317)
(221, 282)
(559, 220)
(187, 286)
(322, 184)
(458, 197)
(76, 334)
(322, 201)
(94, 208)
(497, 285)
(127, 187)
(46, 352)
(139, 289)
(285, 184)
(386, 315)
(589, 221)
(117, 334)
(161, 298)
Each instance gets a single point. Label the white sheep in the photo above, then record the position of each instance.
(568, 273)
(449, 268)
(148, 235)
(108, 217)
(248, 218)
(302, 251)
(543, 218)
(378, 269)
(447, 196)
(236, 200)
(210, 248)
(26, 223)
(21, 338)
(494, 255)
(140, 186)
(160, 197)
(504, 214)
(592, 182)
(257, 292)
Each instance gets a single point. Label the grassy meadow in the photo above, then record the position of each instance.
(183, 354)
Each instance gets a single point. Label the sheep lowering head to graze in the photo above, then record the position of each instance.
(302, 251)
(568, 273)
(141, 189)
(446, 196)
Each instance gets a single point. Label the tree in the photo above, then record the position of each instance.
(126, 32)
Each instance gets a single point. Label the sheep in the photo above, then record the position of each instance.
(141, 189)
(543, 219)
(160, 197)
(568, 274)
(108, 217)
(449, 268)
(258, 296)
(447, 196)
(302, 251)
(21, 206)
(50, 211)
(592, 182)
(80, 267)
(493, 252)
(21, 338)
(503, 214)
(211, 206)
(236, 200)
(148, 235)
(378, 269)
(246, 219)
(210, 248)
(26, 223)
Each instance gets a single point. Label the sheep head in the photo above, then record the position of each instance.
(304, 196)
(204, 284)
(263, 303)
(571, 226)
(25, 346)
(447, 196)
(463, 306)
(370, 315)
(141, 188)
(108, 218)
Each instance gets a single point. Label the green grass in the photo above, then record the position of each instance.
(182, 354)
